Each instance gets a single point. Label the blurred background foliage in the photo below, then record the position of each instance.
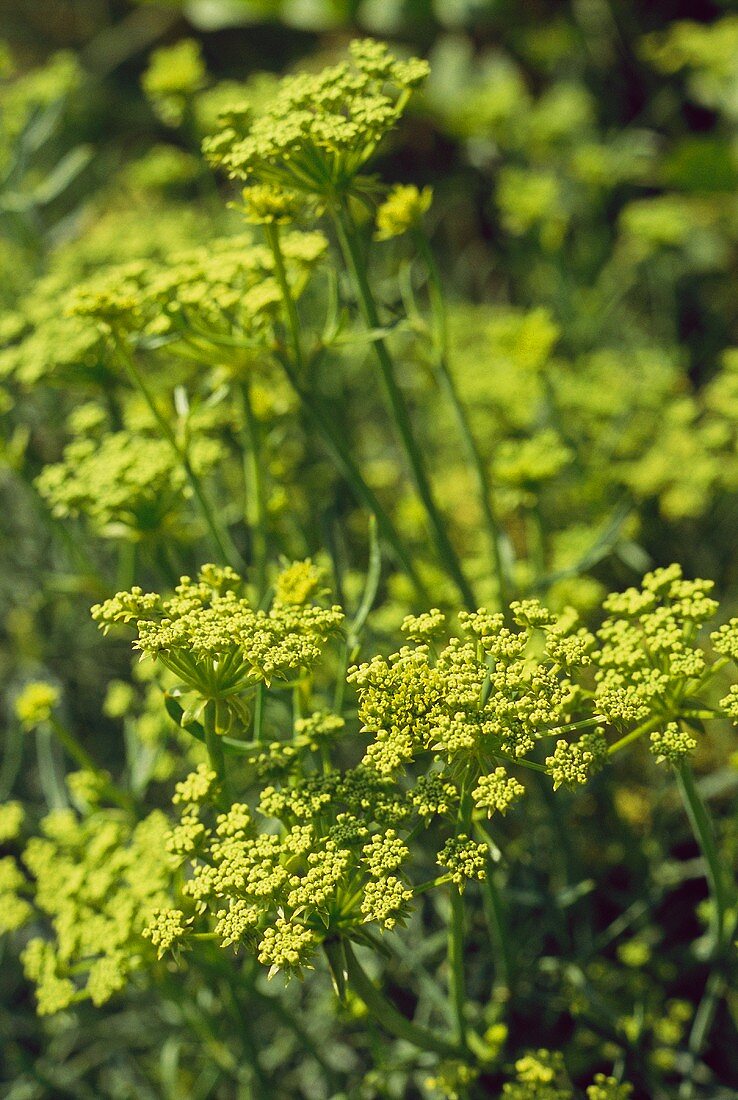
(584, 161)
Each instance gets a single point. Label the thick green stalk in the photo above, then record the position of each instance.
(126, 571)
(295, 372)
(255, 505)
(723, 921)
(457, 985)
(83, 759)
(222, 541)
(389, 1018)
(447, 383)
(498, 929)
(363, 492)
(629, 738)
(272, 235)
(346, 232)
(699, 819)
(259, 701)
(214, 745)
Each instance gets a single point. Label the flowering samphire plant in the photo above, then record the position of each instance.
(280, 850)
(395, 799)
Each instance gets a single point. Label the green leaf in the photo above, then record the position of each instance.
(177, 712)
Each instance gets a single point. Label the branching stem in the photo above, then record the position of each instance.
(347, 236)
(388, 1017)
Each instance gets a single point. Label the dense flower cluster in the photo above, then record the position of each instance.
(309, 866)
(127, 484)
(218, 645)
(318, 131)
(541, 1075)
(402, 210)
(488, 697)
(98, 881)
(199, 294)
(318, 855)
(174, 75)
(36, 702)
(176, 382)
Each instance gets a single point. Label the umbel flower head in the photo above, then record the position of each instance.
(174, 75)
(320, 129)
(127, 484)
(98, 882)
(402, 210)
(216, 643)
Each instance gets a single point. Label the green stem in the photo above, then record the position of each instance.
(346, 232)
(586, 723)
(216, 756)
(222, 541)
(699, 819)
(256, 504)
(629, 738)
(457, 987)
(455, 940)
(431, 884)
(498, 931)
(521, 762)
(363, 492)
(388, 1017)
(537, 542)
(126, 571)
(293, 319)
(83, 759)
(341, 456)
(447, 383)
(259, 700)
(723, 922)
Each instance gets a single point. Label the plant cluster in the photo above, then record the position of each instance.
(369, 844)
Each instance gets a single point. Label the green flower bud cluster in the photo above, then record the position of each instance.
(12, 816)
(318, 855)
(270, 204)
(524, 464)
(573, 762)
(648, 661)
(464, 859)
(166, 928)
(127, 484)
(318, 130)
(659, 441)
(35, 704)
(672, 744)
(281, 894)
(97, 881)
(224, 289)
(175, 74)
(706, 52)
(422, 628)
(479, 696)
(490, 696)
(402, 210)
(215, 642)
(41, 339)
(452, 1079)
(541, 1075)
(15, 909)
(497, 791)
